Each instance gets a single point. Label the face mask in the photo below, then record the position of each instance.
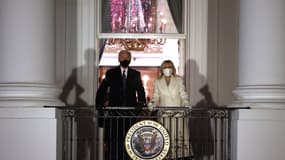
(167, 72)
(125, 63)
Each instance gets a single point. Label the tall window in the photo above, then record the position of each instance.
(153, 30)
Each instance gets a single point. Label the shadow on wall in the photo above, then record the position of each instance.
(207, 101)
(84, 125)
(201, 126)
(76, 83)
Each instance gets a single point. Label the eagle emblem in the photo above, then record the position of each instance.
(147, 140)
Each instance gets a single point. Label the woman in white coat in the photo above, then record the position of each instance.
(169, 91)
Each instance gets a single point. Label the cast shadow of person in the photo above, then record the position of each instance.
(74, 89)
(201, 125)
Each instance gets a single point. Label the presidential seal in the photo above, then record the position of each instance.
(147, 139)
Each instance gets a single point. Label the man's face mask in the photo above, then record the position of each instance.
(125, 63)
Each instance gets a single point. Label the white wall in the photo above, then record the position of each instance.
(258, 135)
(223, 30)
(75, 50)
(30, 134)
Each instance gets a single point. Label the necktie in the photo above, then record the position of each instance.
(124, 87)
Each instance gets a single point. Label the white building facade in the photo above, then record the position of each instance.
(234, 46)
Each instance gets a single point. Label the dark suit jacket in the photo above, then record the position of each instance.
(111, 89)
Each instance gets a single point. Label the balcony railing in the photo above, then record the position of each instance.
(198, 133)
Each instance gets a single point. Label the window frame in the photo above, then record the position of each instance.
(181, 36)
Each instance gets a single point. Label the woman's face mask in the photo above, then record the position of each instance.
(167, 72)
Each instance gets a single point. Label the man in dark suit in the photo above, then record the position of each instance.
(122, 87)
(132, 96)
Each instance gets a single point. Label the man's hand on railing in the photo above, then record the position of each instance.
(189, 107)
(151, 106)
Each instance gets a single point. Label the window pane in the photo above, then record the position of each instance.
(141, 16)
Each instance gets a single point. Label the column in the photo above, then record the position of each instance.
(27, 59)
(261, 54)
(261, 83)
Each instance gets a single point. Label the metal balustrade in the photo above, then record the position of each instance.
(198, 133)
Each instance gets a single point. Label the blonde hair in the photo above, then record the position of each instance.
(171, 66)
